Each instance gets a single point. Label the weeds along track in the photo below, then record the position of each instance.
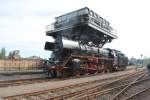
(78, 90)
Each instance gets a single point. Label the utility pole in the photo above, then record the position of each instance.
(142, 59)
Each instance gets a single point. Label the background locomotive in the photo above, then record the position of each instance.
(77, 47)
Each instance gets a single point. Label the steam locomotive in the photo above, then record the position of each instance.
(73, 59)
(77, 47)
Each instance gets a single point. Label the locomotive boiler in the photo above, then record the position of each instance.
(77, 47)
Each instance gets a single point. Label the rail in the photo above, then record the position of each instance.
(124, 90)
(23, 81)
(69, 91)
(96, 91)
(138, 93)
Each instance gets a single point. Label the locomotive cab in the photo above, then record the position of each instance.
(120, 60)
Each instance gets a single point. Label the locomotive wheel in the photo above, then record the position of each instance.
(54, 74)
(77, 73)
(108, 70)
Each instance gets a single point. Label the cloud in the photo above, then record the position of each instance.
(22, 23)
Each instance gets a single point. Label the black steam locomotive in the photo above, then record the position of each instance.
(73, 59)
(77, 48)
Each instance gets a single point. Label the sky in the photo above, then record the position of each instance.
(22, 23)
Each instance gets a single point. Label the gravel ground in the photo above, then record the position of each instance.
(14, 90)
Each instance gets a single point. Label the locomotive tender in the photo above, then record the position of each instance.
(77, 48)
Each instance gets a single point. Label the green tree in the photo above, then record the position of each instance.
(3, 53)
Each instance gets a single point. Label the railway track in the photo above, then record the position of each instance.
(133, 88)
(22, 82)
(126, 91)
(37, 80)
(75, 90)
(104, 90)
(144, 94)
(18, 82)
